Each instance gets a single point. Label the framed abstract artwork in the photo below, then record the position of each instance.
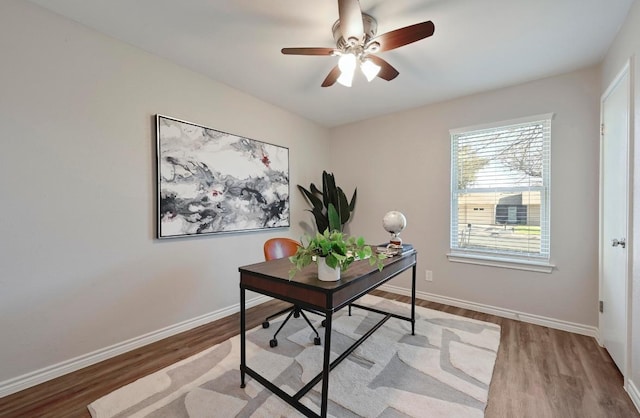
(211, 182)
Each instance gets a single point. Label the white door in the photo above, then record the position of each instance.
(614, 198)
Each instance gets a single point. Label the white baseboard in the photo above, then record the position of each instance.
(28, 380)
(634, 393)
(501, 312)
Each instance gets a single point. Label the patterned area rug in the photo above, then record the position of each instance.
(442, 371)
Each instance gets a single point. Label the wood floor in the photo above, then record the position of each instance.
(539, 372)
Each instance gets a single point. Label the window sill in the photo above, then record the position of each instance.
(503, 262)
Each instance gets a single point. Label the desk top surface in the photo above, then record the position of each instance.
(278, 270)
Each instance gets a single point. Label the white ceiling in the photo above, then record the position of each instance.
(478, 45)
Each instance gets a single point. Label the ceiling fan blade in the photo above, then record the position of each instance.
(403, 36)
(331, 77)
(350, 16)
(387, 72)
(308, 51)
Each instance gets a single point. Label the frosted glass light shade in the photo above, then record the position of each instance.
(346, 79)
(369, 69)
(347, 65)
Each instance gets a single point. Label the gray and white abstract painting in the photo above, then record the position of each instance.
(211, 181)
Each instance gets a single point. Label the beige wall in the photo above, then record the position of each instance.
(401, 162)
(80, 269)
(627, 46)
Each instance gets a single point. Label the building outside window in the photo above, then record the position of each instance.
(500, 197)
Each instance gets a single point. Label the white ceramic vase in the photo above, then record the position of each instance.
(326, 273)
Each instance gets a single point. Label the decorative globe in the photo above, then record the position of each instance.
(394, 222)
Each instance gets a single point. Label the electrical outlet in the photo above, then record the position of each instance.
(428, 275)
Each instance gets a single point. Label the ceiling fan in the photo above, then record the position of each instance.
(356, 42)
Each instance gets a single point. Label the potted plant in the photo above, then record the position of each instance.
(334, 252)
(322, 200)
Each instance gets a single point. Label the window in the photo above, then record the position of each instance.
(500, 194)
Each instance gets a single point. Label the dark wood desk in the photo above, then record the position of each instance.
(305, 290)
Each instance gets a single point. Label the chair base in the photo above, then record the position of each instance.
(296, 312)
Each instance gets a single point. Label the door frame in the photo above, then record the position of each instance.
(627, 70)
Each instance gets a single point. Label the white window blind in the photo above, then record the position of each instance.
(500, 189)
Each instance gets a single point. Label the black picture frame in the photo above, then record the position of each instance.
(211, 182)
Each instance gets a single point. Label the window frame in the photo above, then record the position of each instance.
(497, 258)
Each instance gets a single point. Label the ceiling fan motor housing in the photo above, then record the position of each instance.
(356, 42)
(370, 28)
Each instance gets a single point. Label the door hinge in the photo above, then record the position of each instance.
(601, 306)
(602, 129)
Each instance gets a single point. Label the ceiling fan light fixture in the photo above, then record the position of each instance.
(356, 39)
(347, 64)
(369, 69)
(345, 79)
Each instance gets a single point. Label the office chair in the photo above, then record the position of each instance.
(279, 248)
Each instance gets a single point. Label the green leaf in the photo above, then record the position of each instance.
(322, 222)
(332, 261)
(352, 205)
(343, 207)
(346, 264)
(313, 199)
(292, 273)
(330, 188)
(315, 190)
(325, 189)
(334, 218)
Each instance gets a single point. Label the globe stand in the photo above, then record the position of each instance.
(394, 222)
(395, 242)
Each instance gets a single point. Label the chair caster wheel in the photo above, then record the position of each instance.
(316, 340)
(265, 324)
(296, 314)
(324, 323)
(273, 343)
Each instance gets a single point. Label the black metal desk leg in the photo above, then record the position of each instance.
(326, 368)
(413, 301)
(243, 357)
